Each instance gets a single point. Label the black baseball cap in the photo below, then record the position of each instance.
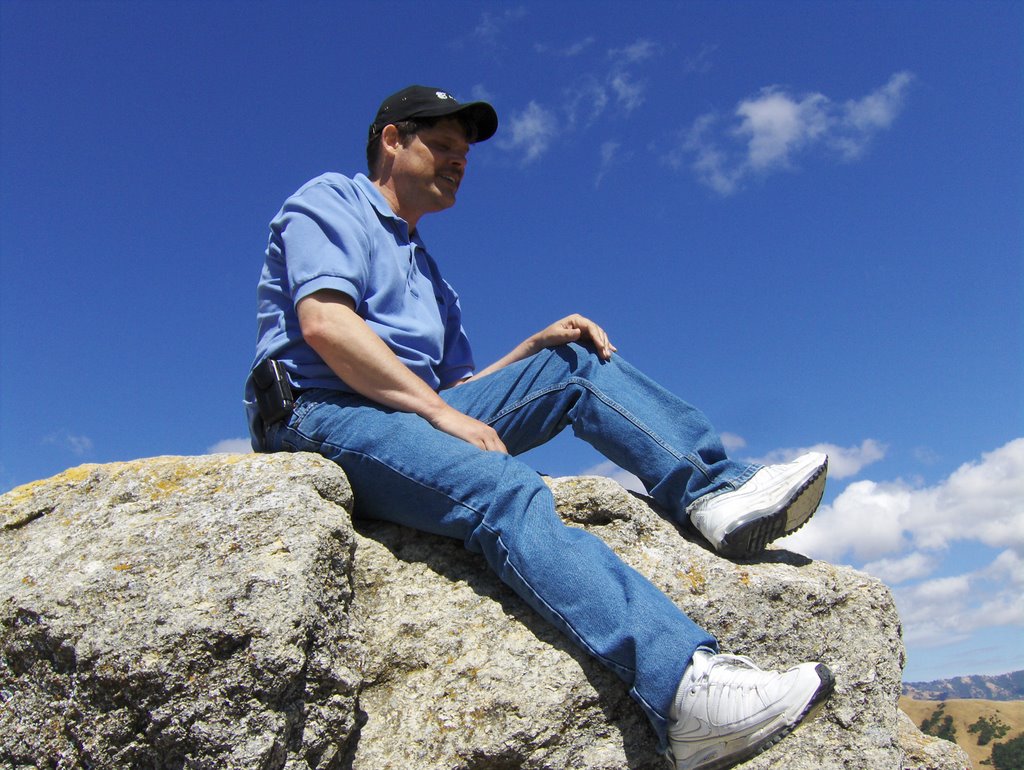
(425, 102)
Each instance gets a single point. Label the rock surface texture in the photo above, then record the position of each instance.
(223, 612)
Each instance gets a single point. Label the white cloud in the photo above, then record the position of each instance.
(1008, 567)
(732, 442)
(981, 501)
(614, 472)
(578, 47)
(926, 455)
(843, 462)
(774, 127)
(479, 93)
(701, 61)
(492, 25)
(864, 520)
(609, 152)
(627, 88)
(947, 609)
(614, 86)
(586, 101)
(569, 51)
(77, 445)
(861, 118)
(636, 52)
(907, 533)
(910, 567)
(231, 446)
(530, 132)
(984, 498)
(629, 92)
(710, 163)
(937, 612)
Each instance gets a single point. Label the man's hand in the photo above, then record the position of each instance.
(462, 426)
(574, 328)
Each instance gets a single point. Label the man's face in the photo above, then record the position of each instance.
(429, 166)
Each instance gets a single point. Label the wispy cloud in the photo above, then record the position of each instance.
(491, 26)
(230, 446)
(638, 51)
(944, 610)
(586, 101)
(479, 93)
(567, 51)
(611, 86)
(530, 132)
(700, 62)
(861, 118)
(901, 569)
(614, 472)
(628, 90)
(769, 131)
(732, 442)
(619, 85)
(609, 154)
(76, 444)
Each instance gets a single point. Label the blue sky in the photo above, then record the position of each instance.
(805, 218)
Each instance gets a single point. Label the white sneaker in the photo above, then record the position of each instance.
(775, 501)
(727, 709)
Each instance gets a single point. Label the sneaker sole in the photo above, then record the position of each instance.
(751, 538)
(810, 710)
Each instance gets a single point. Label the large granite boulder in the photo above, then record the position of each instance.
(223, 612)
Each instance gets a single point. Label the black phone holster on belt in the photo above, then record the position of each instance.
(274, 396)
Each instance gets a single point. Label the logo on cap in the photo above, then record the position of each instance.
(443, 95)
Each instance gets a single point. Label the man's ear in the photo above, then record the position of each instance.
(390, 140)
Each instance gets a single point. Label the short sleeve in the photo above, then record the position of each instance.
(325, 242)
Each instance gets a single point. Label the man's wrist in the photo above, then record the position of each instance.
(434, 412)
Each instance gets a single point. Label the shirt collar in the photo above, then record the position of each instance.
(383, 208)
(377, 200)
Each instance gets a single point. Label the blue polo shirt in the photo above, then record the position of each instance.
(340, 234)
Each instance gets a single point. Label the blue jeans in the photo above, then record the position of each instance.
(403, 470)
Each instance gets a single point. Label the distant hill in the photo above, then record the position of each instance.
(1003, 687)
(964, 714)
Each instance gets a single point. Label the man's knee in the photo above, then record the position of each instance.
(518, 498)
(577, 360)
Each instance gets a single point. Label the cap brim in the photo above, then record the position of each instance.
(483, 116)
(480, 114)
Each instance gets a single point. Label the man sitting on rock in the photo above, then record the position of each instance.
(362, 357)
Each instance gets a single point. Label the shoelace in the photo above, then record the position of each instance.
(740, 667)
(734, 674)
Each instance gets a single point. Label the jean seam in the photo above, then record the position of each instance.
(579, 639)
(588, 385)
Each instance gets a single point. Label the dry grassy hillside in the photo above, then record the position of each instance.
(965, 713)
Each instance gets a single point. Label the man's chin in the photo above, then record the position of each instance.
(445, 200)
